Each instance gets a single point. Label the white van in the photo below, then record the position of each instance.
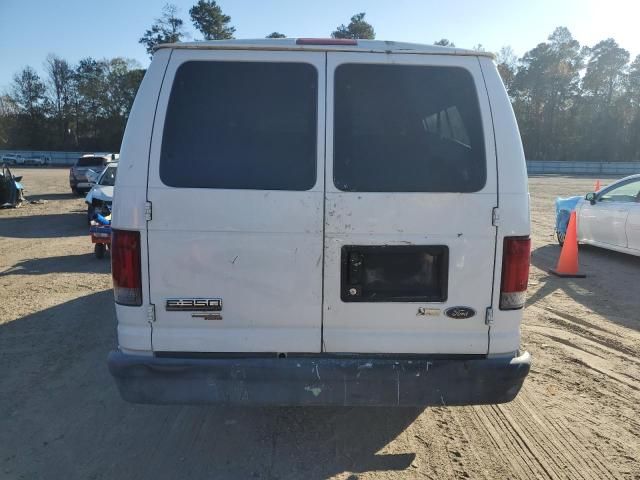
(320, 222)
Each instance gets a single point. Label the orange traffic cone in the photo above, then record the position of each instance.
(568, 261)
(597, 185)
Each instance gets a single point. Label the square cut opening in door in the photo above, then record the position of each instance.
(392, 273)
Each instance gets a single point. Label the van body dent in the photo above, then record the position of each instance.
(320, 222)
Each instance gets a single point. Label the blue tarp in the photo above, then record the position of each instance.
(564, 207)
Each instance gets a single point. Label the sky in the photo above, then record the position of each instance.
(74, 29)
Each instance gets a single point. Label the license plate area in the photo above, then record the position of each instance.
(394, 273)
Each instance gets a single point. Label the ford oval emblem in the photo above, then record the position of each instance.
(460, 312)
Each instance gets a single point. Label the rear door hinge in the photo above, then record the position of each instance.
(488, 318)
(151, 313)
(147, 211)
(495, 217)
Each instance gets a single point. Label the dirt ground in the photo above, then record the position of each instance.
(578, 415)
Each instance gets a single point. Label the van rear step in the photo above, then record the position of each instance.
(335, 381)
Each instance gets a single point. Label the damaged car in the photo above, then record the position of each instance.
(80, 180)
(100, 196)
(11, 190)
(607, 218)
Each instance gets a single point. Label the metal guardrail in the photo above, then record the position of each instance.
(533, 166)
(54, 159)
(582, 168)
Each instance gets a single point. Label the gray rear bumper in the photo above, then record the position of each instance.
(319, 380)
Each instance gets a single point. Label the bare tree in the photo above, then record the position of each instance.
(28, 92)
(61, 92)
(166, 29)
(507, 63)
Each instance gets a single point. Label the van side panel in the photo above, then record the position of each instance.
(504, 335)
(134, 330)
(134, 153)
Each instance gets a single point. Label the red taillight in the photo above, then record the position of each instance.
(326, 41)
(515, 272)
(125, 267)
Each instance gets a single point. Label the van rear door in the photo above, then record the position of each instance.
(236, 185)
(411, 187)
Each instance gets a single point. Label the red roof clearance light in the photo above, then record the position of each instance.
(326, 41)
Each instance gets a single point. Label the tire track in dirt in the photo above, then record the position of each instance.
(594, 353)
(606, 341)
(459, 446)
(527, 445)
(612, 338)
(572, 318)
(513, 446)
(598, 349)
(594, 459)
(558, 432)
(605, 378)
(518, 465)
(434, 443)
(548, 449)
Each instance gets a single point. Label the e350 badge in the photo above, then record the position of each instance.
(208, 307)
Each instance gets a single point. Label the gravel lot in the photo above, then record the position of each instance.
(578, 415)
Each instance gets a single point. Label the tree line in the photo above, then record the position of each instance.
(575, 102)
(208, 19)
(81, 107)
(572, 102)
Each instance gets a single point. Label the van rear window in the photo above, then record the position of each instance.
(90, 162)
(241, 125)
(406, 128)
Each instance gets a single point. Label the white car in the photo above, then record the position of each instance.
(320, 222)
(12, 159)
(39, 161)
(100, 196)
(17, 159)
(610, 218)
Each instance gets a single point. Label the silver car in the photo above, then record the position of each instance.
(79, 182)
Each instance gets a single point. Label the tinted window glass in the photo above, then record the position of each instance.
(404, 128)
(629, 192)
(90, 162)
(109, 177)
(241, 125)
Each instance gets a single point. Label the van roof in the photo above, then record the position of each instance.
(372, 46)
